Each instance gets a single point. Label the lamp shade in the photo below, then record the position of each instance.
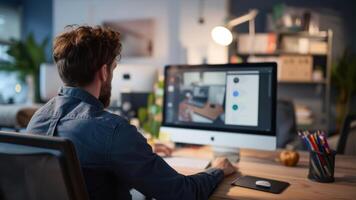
(221, 35)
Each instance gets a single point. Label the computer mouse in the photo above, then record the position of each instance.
(263, 183)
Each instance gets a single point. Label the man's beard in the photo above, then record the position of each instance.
(105, 93)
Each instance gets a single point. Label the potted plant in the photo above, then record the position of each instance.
(344, 79)
(150, 118)
(27, 57)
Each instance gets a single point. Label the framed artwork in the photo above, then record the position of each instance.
(137, 36)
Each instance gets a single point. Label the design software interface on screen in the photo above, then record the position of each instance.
(226, 98)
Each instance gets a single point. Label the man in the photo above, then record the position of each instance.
(114, 156)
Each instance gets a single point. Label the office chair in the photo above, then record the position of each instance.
(347, 141)
(286, 123)
(36, 167)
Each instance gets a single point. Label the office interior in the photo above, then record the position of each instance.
(311, 42)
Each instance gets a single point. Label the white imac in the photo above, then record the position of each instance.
(132, 78)
(50, 82)
(228, 106)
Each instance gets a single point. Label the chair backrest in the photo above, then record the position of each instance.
(36, 167)
(347, 141)
(286, 123)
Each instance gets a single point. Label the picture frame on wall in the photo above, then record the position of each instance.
(137, 36)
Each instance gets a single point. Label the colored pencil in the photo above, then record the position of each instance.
(318, 143)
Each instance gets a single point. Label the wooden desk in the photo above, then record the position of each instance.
(263, 164)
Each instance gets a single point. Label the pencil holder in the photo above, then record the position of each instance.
(321, 166)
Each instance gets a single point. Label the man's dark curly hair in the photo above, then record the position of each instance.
(81, 51)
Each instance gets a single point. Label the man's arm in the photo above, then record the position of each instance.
(134, 162)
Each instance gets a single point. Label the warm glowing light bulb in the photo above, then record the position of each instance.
(221, 35)
(18, 88)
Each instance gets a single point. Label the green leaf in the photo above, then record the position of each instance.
(142, 115)
(28, 55)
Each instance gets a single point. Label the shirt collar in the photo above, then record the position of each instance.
(80, 94)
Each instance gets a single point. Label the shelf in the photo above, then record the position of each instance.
(316, 93)
(319, 35)
(302, 82)
(281, 53)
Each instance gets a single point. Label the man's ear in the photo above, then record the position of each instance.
(103, 73)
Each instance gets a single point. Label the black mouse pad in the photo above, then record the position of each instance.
(250, 182)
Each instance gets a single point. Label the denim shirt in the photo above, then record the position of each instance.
(113, 155)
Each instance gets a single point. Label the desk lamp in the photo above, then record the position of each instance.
(222, 34)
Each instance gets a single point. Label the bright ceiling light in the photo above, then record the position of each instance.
(221, 35)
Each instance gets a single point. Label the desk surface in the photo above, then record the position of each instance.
(263, 164)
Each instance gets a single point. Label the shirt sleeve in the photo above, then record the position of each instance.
(134, 163)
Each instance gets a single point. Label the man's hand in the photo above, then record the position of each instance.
(223, 164)
(162, 149)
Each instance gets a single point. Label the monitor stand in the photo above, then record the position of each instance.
(232, 154)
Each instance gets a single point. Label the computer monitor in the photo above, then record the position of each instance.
(131, 86)
(50, 82)
(228, 106)
(132, 78)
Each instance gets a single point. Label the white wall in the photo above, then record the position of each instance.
(93, 12)
(178, 39)
(195, 37)
(10, 23)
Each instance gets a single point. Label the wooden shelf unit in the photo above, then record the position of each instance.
(322, 86)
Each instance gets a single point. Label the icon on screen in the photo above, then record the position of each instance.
(235, 107)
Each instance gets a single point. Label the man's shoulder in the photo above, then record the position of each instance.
(46, 111)
(107, 117)
(69, 110)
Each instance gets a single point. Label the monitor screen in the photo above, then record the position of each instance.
(233, 97)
